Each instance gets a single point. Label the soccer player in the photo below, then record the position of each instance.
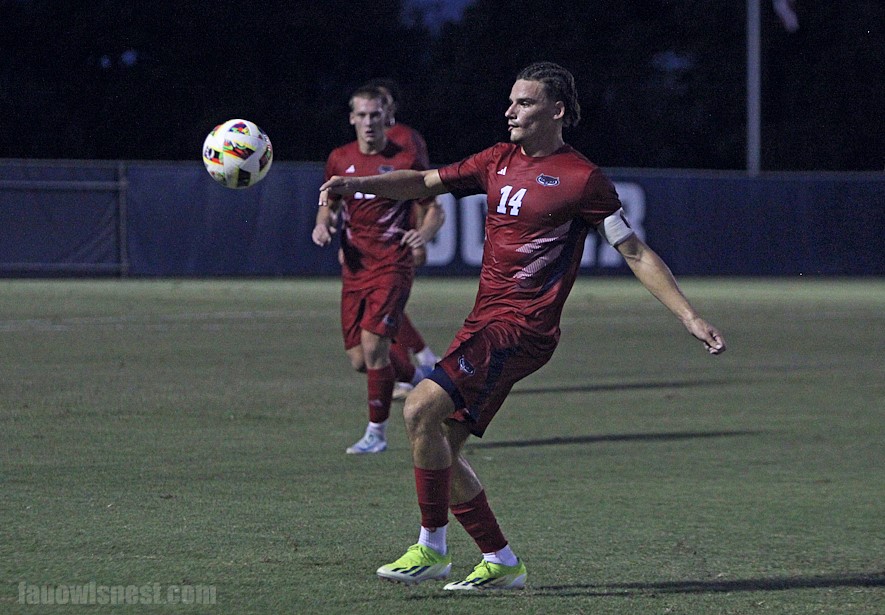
(378, 253)
(409, 340)
(543, 198)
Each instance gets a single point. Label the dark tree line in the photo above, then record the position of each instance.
(662, 83)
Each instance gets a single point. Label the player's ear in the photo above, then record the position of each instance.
(560, 110)
(352, 119)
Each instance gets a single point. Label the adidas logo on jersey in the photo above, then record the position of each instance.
(351, 169)
(502, 171)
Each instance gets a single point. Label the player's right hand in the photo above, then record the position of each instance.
(322, 234)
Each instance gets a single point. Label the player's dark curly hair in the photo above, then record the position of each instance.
(559, 84)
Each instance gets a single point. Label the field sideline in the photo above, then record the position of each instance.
(176, 434)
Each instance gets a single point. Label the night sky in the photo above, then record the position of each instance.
(662, 83)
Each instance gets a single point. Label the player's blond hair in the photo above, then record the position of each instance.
(369, 92)
(559, 84)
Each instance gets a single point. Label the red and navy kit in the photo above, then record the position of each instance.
(378, 270)
(374, 226)
(539, 213)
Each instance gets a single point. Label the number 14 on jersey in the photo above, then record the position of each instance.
(513, 202)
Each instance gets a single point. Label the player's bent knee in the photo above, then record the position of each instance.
(427, 405)
(357, 362)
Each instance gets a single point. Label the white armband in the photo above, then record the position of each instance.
(615, 228)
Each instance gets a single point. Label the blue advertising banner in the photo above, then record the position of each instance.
(171, 219)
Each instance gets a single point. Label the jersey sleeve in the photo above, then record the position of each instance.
(421, 153)
(602, 208)
(331, 164)
(467, 176)
(333, 167)
(600, 200)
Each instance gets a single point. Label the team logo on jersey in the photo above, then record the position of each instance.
(351, 169)
(465, 366)
(547, 180)
(385, 168)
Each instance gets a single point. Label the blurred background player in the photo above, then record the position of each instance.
(410, 344)
(379, 249)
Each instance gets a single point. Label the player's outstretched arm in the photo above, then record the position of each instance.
(402, 184)
(654, 274)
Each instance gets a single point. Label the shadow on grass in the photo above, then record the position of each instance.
(874, 579)
(620, 386)
(713, 586)
(631, 437)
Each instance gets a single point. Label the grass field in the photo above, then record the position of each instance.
(173, 435)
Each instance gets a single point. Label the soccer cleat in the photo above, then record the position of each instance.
(427, 358)
(402, 390)
(419, 564)
(493, 576)
(369, 443)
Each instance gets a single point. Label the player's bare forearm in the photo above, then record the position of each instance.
(324, 227)
(432, 220)
(654, 274)
(399, 185)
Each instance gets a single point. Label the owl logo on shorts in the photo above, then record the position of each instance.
(465, 366)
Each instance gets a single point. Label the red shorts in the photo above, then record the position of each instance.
(481, 367)
(378, 310)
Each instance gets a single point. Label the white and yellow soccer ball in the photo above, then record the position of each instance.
(237, 154)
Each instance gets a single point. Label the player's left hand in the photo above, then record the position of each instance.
(415, 240)
(419, 255)
(337, 186)
(708, 334)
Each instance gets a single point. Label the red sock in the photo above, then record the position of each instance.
(433, 496)
(380, 387)
(478, 519)
(408, 336)
(401, 362)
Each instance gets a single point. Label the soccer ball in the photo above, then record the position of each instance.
(237, 154)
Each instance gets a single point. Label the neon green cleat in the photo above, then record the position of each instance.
(493, 576)
(419, 564)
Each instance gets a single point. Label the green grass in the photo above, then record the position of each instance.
(193, 433)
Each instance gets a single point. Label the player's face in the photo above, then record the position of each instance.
(369, 118)
(532, 117)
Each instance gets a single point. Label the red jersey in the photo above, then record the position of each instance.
(373, 226)
(410, 139)
(539, 213)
